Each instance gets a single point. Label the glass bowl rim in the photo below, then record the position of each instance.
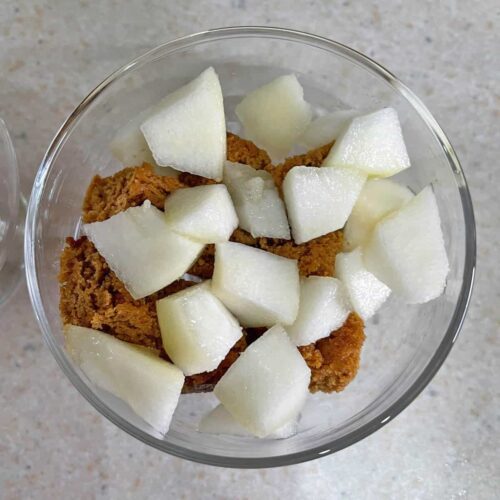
(366, 429)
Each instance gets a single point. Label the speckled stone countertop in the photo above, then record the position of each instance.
(53, 444)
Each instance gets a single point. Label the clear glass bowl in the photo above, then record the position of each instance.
(12, 204)
(405, 345)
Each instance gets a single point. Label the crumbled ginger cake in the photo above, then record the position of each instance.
(91, 295)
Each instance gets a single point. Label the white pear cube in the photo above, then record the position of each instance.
(327, 128)
(258, 287)
(187, 130)
(324, 307)
(131, 149)
(406, 250)
(260, 209)
(142, 250)
(150, 385)
(373, 144)
(197, 331)
(267, 386)
(220, 421)
(378, 198)
(319, 200)
(275, 115)
(203, 213)
(129, 146)
(366, 292)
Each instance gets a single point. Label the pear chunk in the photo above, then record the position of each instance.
(220, 421)
(187, 130)
(129, 146)
(406, 250)
(142, 250)
(372, 143)
(319, 200)
(378, 198)
(260, 209)
(258, 287)
(202, 213)
(275, 115)
(366, 292)
(324, 307)
(327, 128)
(196, 329)
(267, 386)
(150, 385)
(131, 149)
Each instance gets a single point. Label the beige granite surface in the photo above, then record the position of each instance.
(446, 444)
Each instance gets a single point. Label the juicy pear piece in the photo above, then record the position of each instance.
(327, 128)
(366, 292)
(142, 250)
(203, 213)
(324, 307)
(129, 146)
(319, 200)
(131, 149)
(406, 250)
(258, 287)
(372, 143)
(150, 385)
(378, 198)
(267, 386)
(260, 209)
(220, 421)
(187, 130)
(196, 329)
(275, 115)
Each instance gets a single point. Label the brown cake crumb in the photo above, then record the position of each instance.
(92, 295)
(334, 360)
